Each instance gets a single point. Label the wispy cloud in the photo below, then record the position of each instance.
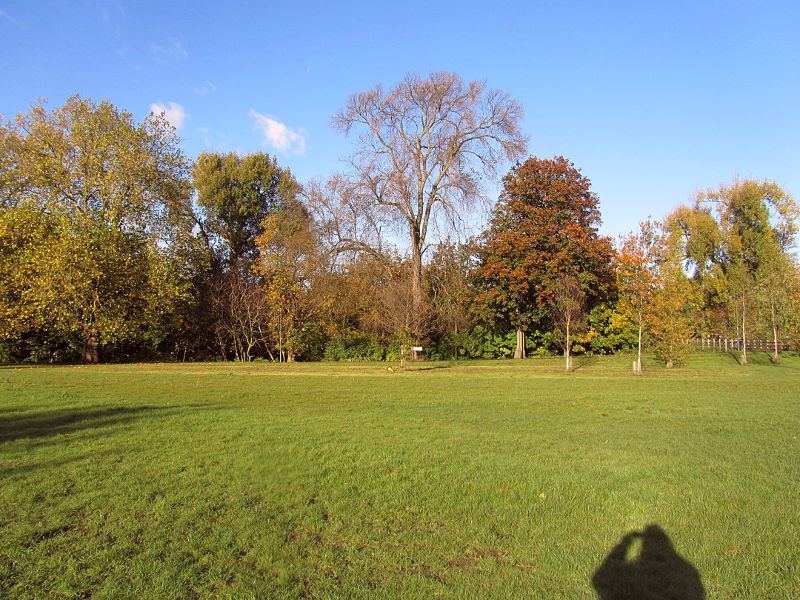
(278, 135)
(205, 89)
(10, 19)
(204, 131)
(173, 113)
(172, 50)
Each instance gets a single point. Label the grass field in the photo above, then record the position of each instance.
(448, 480)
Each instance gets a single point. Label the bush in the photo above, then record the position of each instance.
(608, 331)
(353, 347)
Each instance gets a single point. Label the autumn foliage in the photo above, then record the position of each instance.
(116, 246)
(544, 228)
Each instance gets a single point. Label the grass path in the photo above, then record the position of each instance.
(455, 480)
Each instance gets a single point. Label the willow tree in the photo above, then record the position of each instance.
(758, 224)
(423, 150)
(108, 259)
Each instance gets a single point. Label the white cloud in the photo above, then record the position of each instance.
(174, 113)
(278, 135)
(205, 89)
(173, 50)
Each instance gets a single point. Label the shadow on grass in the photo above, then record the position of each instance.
(584, 360)
(644, 564)
(430, 367)
(18, 366)
(760, 357)
(24, 469)
(71, 420)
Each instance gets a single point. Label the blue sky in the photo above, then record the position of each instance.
(652, 101)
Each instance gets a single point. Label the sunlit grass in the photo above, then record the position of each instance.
(480, 479)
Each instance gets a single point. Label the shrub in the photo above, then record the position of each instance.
(353, 347)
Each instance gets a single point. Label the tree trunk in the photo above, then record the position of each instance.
(567, 354)
(776, 355)
(280, 334)
(639, 353)
(91, 347)
(744, 331)
(519, 351)
(416, 283)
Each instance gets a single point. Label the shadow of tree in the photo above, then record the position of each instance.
(582, 361)
(430, 367)
(26, 468)
(70, 420)
(645, 566)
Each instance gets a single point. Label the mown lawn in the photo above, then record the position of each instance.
(452, 480)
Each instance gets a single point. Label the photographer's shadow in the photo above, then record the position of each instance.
(645, 566)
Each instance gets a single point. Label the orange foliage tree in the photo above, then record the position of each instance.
(543, 229)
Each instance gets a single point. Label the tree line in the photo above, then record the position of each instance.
(115, 246)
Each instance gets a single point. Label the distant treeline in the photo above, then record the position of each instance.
(114, 246)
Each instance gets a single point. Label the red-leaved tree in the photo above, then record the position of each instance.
(543, 228)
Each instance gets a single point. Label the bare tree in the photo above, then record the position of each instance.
(347, 223)
(568, 304)
(241, 316)
(423, 149)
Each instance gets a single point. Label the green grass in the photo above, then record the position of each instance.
(452, 479)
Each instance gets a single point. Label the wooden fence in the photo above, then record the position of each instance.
(720, 343)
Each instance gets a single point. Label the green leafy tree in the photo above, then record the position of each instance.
(694, 234)
(758, 225)
(235, 194)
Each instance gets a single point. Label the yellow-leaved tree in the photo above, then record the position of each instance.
(95, 227)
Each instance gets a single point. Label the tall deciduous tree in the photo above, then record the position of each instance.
(543, 228)
(694, 237)
(236, 193)
(423, 148)
(114, 203)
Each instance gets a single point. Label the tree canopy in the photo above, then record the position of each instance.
(544, 227)
(236, 193)
(103, 205)
(111, 239)
(423, 148)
